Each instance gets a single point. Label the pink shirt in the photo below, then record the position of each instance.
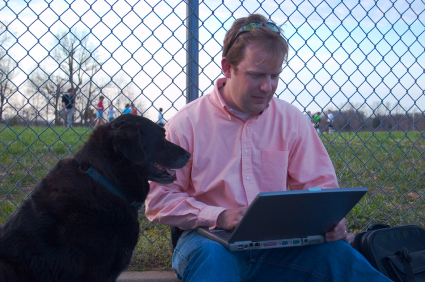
(100, 106)
(233, 160)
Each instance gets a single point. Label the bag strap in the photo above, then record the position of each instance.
(377, 226)
(406, 259)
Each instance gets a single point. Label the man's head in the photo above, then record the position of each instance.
(252, 61)
(132, 106)
(101, 98)
(236, 40)
(329, 111)
(160, 109)
(71, 91)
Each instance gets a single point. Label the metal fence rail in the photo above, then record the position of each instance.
(363, 61)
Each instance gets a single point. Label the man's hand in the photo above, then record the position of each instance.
(229, 219)
(339, 233)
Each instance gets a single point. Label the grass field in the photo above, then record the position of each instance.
(390, 165)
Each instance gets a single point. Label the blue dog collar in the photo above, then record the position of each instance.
(96, 175)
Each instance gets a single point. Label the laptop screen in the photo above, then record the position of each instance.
(293, 214)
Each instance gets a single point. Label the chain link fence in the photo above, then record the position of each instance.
(362, 61)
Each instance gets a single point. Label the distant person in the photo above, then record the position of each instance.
(161, 120)
(309, 117)
(68, 102)
(111, 113)
(127, 109)
(331, 121)
(133, 109)
(316, 121)
(100, 108)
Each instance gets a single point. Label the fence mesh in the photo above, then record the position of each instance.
(362, 61)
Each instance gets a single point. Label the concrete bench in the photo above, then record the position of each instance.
(148, 276)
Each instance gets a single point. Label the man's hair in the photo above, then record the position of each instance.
(70, 90)
(127, 105)
(264, 36)
(160, 109)
(101, 98)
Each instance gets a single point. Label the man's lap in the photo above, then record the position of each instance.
(324, 262)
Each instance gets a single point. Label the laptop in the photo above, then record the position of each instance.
(288, 219)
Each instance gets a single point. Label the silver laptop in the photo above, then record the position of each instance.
(288, 219)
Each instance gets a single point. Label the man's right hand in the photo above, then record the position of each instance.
(229, 219)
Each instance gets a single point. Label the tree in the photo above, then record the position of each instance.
(49, 87)
(7, 67)
(376, 122)
(79, 62)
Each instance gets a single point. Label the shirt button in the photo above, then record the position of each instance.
(247, 177)
(246, 151)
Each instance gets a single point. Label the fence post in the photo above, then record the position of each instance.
(192, 13)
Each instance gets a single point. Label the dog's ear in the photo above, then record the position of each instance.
(129, 141)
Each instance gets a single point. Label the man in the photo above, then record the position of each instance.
(308, 115)
(331, 121)
(244, 141)
(133, 109)
(100, 108)
(316, 121)
(127, 109)
(161, 121)
(68, 101)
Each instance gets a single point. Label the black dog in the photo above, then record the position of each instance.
(80, 222)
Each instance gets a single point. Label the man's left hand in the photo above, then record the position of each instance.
(339, 232)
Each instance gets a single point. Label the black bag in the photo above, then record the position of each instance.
(397, 252)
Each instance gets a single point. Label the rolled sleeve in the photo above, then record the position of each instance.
(172, 204)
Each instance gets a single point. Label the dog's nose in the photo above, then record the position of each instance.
(188, 155)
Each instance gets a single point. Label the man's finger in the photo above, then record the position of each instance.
(349, 237)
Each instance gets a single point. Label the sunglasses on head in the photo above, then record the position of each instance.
(250, 27)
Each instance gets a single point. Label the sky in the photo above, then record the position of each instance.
(356, 52)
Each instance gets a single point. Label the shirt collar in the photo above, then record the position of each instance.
(219, 83)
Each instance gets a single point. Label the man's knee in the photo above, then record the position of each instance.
(203, 257)
(340, 249)
(203, 249)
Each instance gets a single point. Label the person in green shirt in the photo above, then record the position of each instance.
(316, 121)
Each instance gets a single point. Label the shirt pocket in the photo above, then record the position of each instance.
(274, 170)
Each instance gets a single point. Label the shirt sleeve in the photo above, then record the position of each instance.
(172, 205)
(309, 162)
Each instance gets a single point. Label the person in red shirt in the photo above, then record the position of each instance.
(133, 109)
(100, 109)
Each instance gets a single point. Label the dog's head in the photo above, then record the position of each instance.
(143, 142)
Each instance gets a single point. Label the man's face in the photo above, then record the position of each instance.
(254, 83)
